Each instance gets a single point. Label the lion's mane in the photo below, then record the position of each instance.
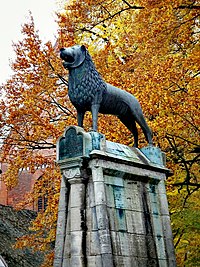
(86, 85)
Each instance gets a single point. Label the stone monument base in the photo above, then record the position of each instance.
(113, 209)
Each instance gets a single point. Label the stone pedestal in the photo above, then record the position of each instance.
(113, 209)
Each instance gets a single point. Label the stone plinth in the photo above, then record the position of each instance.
(113, 209)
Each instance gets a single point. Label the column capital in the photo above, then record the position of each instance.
(72, 173)
(76, 180)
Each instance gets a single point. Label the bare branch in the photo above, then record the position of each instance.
(112, 16)
(179, 239)
(58, 75)
(188, 7)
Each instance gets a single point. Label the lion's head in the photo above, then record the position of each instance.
(73, 56)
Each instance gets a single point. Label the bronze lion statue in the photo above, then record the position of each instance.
(88, 92)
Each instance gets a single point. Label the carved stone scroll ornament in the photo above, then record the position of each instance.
(71, 173)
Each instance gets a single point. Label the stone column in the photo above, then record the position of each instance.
(77, 223)
(71, 232)
(166, 225)
(61, 224)
(159, 208)
(102, 216)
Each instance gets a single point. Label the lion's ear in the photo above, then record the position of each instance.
(80, 54)
(83, 48)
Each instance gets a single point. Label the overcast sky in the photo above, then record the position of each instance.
(13, 14)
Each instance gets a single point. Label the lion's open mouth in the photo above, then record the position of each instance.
(68, 58)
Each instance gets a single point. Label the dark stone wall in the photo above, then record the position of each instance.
(14, 224)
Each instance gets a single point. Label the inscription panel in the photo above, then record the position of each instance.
(71, 145)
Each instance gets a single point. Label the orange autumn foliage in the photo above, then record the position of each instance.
(35, 111)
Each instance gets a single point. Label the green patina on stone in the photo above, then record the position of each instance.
(154, 154)
(96, 140)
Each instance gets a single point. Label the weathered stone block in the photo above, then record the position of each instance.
(119, 196)
(128, 262)
(99, 192)
(67, 246)
(94, 243)
(171, 262)
(132, 246)
(120, 220)
(148, 262)
(134, 262)
(124, 243)
(77, 194)
(114, 180)
(94, 224)
(151, 246)
(66, 262)
(59, 247)
(97, 172)
(131, 184)
(63, 195)
(154, 154)
(164, 210)
(68, 226)
(107, 260)
(91, 196)
(136, 222)
(133, 200)
(94, 261)
(105, 241)
(76, 243)
(167, 230)
(76, 219)
(61, 224)
(116, 249)
(102, 218)
(160, 246)
(161, 187)
(77, 261)
(169, 249)
(163, 263)
(157, 225)
(141, 246)
(119, 261)
(57, 262)
(112, 217)
(110, 196)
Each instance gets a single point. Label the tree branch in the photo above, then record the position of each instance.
(188, 7)
(112, 16)
(179, 239)
(187, 184)
(59, 76)
(182, 138)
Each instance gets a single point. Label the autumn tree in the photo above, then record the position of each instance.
(34, 112)
(149, 48)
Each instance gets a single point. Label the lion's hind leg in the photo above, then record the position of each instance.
(146, 130)
(131, 125)
(80, 117)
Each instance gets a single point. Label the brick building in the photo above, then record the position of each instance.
(26, 181)
(16, 195)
